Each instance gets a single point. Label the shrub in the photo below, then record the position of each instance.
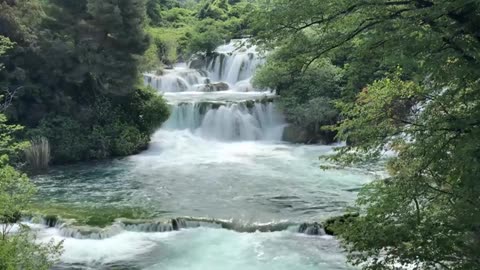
(104, 130)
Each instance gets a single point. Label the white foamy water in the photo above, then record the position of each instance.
(228, 122)
(199, 249)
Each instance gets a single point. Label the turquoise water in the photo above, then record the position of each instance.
(185, 175)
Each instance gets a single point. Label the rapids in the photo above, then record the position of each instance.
(219, 156)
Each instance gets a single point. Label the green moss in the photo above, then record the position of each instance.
(91, 216)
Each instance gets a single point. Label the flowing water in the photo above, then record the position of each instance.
(219, 160)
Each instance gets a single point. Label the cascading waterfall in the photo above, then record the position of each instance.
(235, 63)
(228, 70)
(179, 79)
(228, 122)
(232, 64)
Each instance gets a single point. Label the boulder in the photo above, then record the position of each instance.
(220, 86)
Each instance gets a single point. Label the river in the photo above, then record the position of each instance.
(220, 161)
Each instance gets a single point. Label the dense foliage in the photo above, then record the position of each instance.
(306, 97)
(74, 76)
(17, 248)
(411, 84)
(180, 29)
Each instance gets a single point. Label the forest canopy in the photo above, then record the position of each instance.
(410, 85)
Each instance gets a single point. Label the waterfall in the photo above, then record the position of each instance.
(179, 79)
(231, 65)
(228, 122)
(213, 97)
(234, 62)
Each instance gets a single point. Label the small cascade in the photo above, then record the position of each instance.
(176, 80)
(311, 229)
(68, 230)
(230, 67)
(229, 121)
(234, 62)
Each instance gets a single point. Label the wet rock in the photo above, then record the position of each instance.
(220, 86)
(175, 225)
(330, 223)
(250, 104)
(51, 221)
(311, 229)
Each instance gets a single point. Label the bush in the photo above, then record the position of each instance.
(306, 96)
(129, 141)
(207, 35)
(104, 130)
(67, 137)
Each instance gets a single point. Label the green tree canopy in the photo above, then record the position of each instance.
(77, 65)
(411, 71)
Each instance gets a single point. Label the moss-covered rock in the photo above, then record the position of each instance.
(331, 223)
(89, 216)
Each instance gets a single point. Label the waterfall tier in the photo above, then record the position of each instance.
(213, 98)
(229, 68)
(228, 122)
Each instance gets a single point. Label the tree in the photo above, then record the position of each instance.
(73, 62)
(420, 97)
(18, 249)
